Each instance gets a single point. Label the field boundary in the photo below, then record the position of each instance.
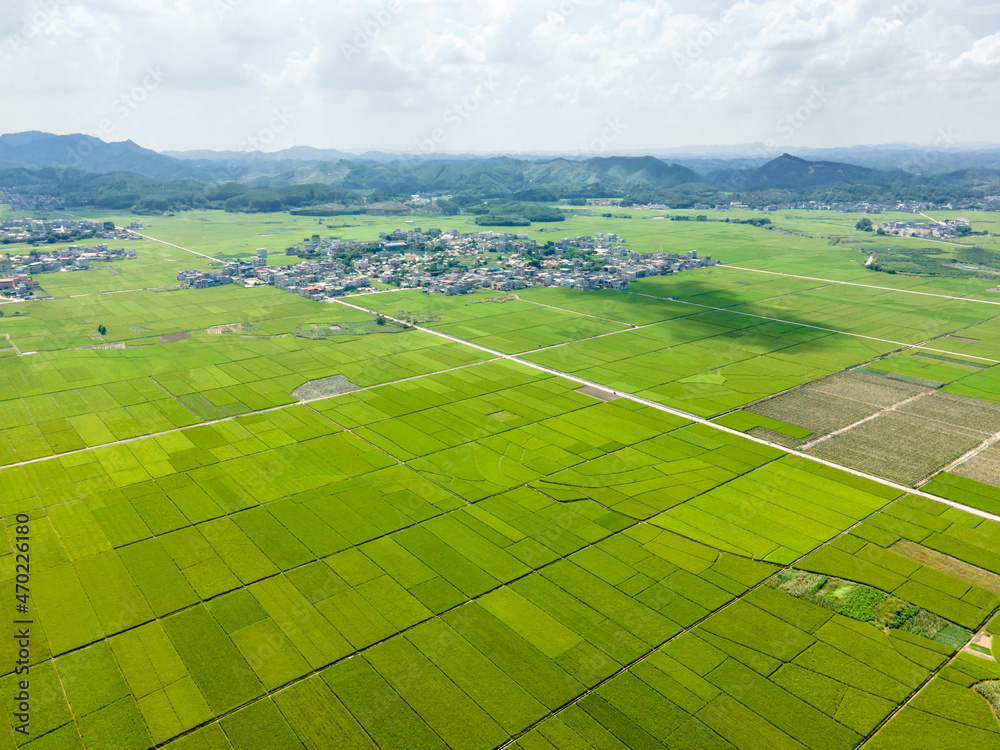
(866, 286)
(696, 419)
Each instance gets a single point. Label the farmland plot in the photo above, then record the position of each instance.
(463, 553)
(915, 440)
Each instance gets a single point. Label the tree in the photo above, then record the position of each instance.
(864, 224)
(380, 319)
(102, 330)
(109, 226)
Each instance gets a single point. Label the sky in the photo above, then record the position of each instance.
(588, 77)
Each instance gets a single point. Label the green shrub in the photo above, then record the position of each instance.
(861, 603)
(903, 616)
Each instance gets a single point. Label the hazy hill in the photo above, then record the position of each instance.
(86, 153)
(501, 176)
(789, 172)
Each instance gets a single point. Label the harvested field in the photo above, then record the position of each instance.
(110, 345)
(961, 411)
(948, 565)
(901, 447)
(867, 389)
(598, 393)
(903, 377)
(231, 328)
(316, 331)
(817, 412)
(990, 690)
(983, 467)
(171, 338)
(773, 436)
(981, 646)
(323, 388)
(832, 403)
(921, 431)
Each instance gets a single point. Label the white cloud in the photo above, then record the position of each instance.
(985, 53)
(381, 73)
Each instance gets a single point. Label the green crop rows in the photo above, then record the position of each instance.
(468, 552)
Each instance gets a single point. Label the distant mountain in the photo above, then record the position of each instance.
(789, 172)
(303, 176)
(86, 153)
(502, 176)
(296, 154)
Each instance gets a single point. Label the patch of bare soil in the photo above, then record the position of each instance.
(171, 338)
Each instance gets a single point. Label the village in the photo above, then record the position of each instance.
(455, 266)
(16, 271)
(939, 229)
(62, 230)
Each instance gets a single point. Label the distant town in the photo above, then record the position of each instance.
(458, 266)
(16, 271)
(34, 231)
(939, 229)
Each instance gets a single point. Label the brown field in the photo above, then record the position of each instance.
(832, 403)
(921, 430)
(778, 438)
(598, 393)
(323, 388)
(948, 565)
(901, 447)
(171, 338)
(909, 444)
(983, 467)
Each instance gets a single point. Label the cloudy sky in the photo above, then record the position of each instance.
(502, 75)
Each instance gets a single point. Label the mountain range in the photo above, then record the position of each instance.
(76, 164)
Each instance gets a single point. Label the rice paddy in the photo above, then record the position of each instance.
(244, 534)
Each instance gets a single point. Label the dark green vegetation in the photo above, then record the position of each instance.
(866, 604)
(88, 172)
(960, 262)
(459, 550)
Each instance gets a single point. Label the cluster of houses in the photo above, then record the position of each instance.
(601, 263)
(41, 230)
(16, 271)
(619, 268)
(942, 230)
(20, 201)
(16, 285)
(69, 258)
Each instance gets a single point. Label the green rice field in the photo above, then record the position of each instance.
(464, 548)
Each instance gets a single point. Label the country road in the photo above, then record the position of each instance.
(497, 355)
